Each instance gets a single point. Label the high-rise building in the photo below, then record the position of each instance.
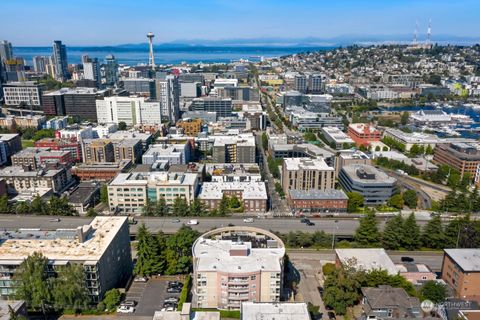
(223, 107)
(91, 70)
(78, 102)
(315, 83)
(111, 70)
(301, 83)
(168, 94)
(60, 61)
(131, 110)
(41, 64)
(6, 51)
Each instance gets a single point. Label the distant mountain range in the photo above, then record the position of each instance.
(315, 41)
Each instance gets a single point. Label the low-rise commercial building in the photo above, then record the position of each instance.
(128, 193)
(463, 157)
(237, 264)
(317, 201)
(105, 171)
(19, 179)
(66, 145)
(411, 139)
(365, 260)
(300, 150)
(374, 185)
(37, 157)
(337, 137)
(461, 271)
(363, 134)
(250, 190)
(307, 174)
(102, 248)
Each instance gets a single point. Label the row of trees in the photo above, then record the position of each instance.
(182, 208)
(162, 254)
(400, 233)
(273, 165)
(356, 201)
(54, 206)
(456, 201)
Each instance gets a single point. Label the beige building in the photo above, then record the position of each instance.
(348, 157)
(129, 192)
(98, 150)
(19, 179)
(307, 174)
(237, 264)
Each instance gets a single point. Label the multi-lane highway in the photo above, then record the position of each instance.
(343, 227)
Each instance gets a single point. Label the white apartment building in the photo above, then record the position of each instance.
(128, 193)
(27, 92)
(168, 94)
(237, 264)
(336, 136)
(131, 110)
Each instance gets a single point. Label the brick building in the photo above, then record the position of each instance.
(461, 271)
(363, 134)
(463, 157)
(58, 144)
(101, 171)
(316, 201)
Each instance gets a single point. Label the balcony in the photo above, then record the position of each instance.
(238, 281)
(242, 297)
(238, 289)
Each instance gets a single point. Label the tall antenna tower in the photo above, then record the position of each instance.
(151, 58)
(429, 31)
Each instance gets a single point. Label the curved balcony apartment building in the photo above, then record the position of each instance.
(237, 264)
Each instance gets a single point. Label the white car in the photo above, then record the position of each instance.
(169, 309)
(125, 309)
(193, 222)
(248, 220)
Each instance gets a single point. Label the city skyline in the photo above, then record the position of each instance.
(223, 20)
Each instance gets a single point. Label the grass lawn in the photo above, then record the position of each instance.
(27, 143)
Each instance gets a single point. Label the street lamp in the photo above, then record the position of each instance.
(335, 227)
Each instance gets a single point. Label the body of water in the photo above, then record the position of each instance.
(167, 55)
(474, 114)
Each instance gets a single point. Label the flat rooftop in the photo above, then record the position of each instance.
(318, 194)
(367, 259)
(60, 244)
(293, 164)
(467, 259)
(72, 91)
(252, 190)
(367, 174)
(144, 178)
(214, 255)
(17, 171)
(275, 311)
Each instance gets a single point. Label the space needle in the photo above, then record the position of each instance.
(151, 59)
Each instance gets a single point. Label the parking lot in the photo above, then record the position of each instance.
(149, 295)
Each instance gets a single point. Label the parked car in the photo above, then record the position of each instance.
(193, 222)
(304, 220)
(176, 221)
(129, 303)
(140, 279)
(248, 220)
(175, 284)
(174, 290)
(406, 259)
(171, 300)
(125, 309)
(55, 220)
(310, 223)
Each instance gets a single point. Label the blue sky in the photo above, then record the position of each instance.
(108, 22)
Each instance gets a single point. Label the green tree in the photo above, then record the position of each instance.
(60, 207)
(38, 205)
(178, 252)
(150, 208)
(429, 150)
(161, 207)
(91, 212)
(148, 254)
(367, 233)
(112, 299)
(434, 291)
(22, 207)
(34, 285)
(69, 289)
(223, 205)
(197, 208)
(4, 207)
(410, 198)
(355, 201)
(396, 201)
(264, 141)
(233, 202)
(411, 233)
(404, 118)
(392, 233)
(122, 125)
(433, 235)
(104, 194)
(180, 207)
